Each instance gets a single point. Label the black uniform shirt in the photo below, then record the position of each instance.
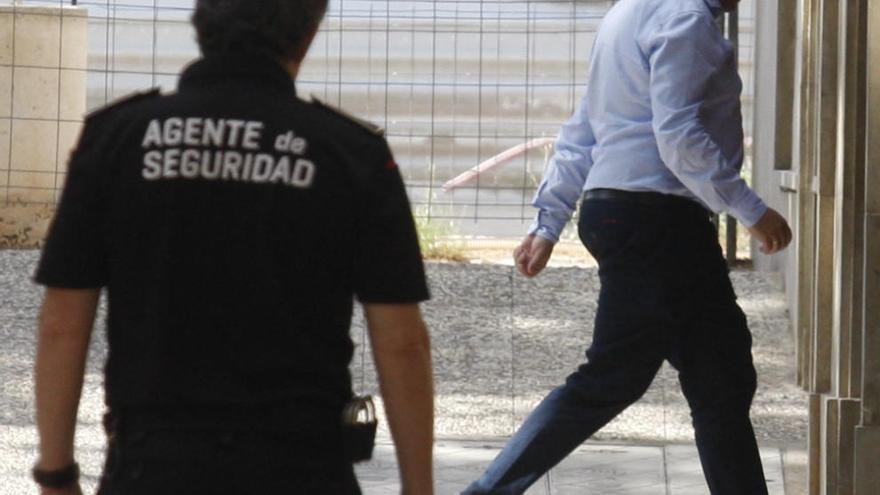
(232, 223)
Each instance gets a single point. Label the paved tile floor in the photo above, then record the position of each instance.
(601, 469)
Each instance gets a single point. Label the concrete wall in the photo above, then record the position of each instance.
(43, 56)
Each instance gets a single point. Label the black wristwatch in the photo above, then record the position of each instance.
(57, 478)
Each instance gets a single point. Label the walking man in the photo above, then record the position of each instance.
(656, 142)
(232, 223)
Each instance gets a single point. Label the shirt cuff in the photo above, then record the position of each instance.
(547, 226)
(749, 210)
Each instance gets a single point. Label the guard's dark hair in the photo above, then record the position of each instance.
(277, 28)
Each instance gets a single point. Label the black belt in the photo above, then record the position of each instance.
(649, 198)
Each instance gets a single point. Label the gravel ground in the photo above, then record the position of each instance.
(501, 342)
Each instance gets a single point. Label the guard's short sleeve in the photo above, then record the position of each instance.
(74, 254)
(388, 262)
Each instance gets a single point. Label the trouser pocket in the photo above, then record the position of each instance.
(609, 228)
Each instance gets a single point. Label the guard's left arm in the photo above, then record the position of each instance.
(64, 332)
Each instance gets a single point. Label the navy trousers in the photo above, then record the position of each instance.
(665, 295)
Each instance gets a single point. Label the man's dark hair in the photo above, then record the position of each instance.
(277, 28)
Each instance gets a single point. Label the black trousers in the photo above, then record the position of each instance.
(665, 295)
(147, 460)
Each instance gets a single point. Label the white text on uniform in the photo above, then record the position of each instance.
(223, 149)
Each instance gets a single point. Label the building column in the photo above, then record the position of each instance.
(867, 444)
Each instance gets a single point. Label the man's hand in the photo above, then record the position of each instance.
(532, 255)
(772, 232)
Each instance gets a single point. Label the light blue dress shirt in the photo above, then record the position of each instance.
(661, 113)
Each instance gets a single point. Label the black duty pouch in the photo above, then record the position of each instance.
(359, 428)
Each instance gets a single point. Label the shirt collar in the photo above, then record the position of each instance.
(253, 69)
(714, 7)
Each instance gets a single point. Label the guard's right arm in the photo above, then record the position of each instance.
(65, 329)
(73, 268)
(402, 352)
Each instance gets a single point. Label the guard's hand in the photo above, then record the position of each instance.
(72, 489)
(772, 232)
(532, 255)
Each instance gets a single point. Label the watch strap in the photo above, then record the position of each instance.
(56, 478)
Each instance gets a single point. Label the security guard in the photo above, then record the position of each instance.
(232, 223)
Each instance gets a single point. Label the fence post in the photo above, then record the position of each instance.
(733, 36)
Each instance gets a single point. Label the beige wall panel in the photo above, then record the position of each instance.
(68, 136)
(791, 275)
(786, 35)
(849, 216)
(823, 277)
(806, 285)
(872, 171)
(41, 94)
(867, 465)
(75, 31)
(871, 323)
(34, 145)
(37, 37)
(5, 92)
(842, 305)
(73, 90)
(803, 155)
(33, 180)
(814, 445)
(871, 342)
(811, 161)
(850, 414)
(5, 36)
(828, 75)
(828, 335)
(14, 194)
(5, 142)
(830, 446)
(35, 93)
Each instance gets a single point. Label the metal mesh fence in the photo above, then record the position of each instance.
(455, 84)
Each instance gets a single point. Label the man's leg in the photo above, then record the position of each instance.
(714, 359)
(629, 345)
(562, 421)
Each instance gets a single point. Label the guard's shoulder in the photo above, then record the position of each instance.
(123, 102)
(373, 129)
